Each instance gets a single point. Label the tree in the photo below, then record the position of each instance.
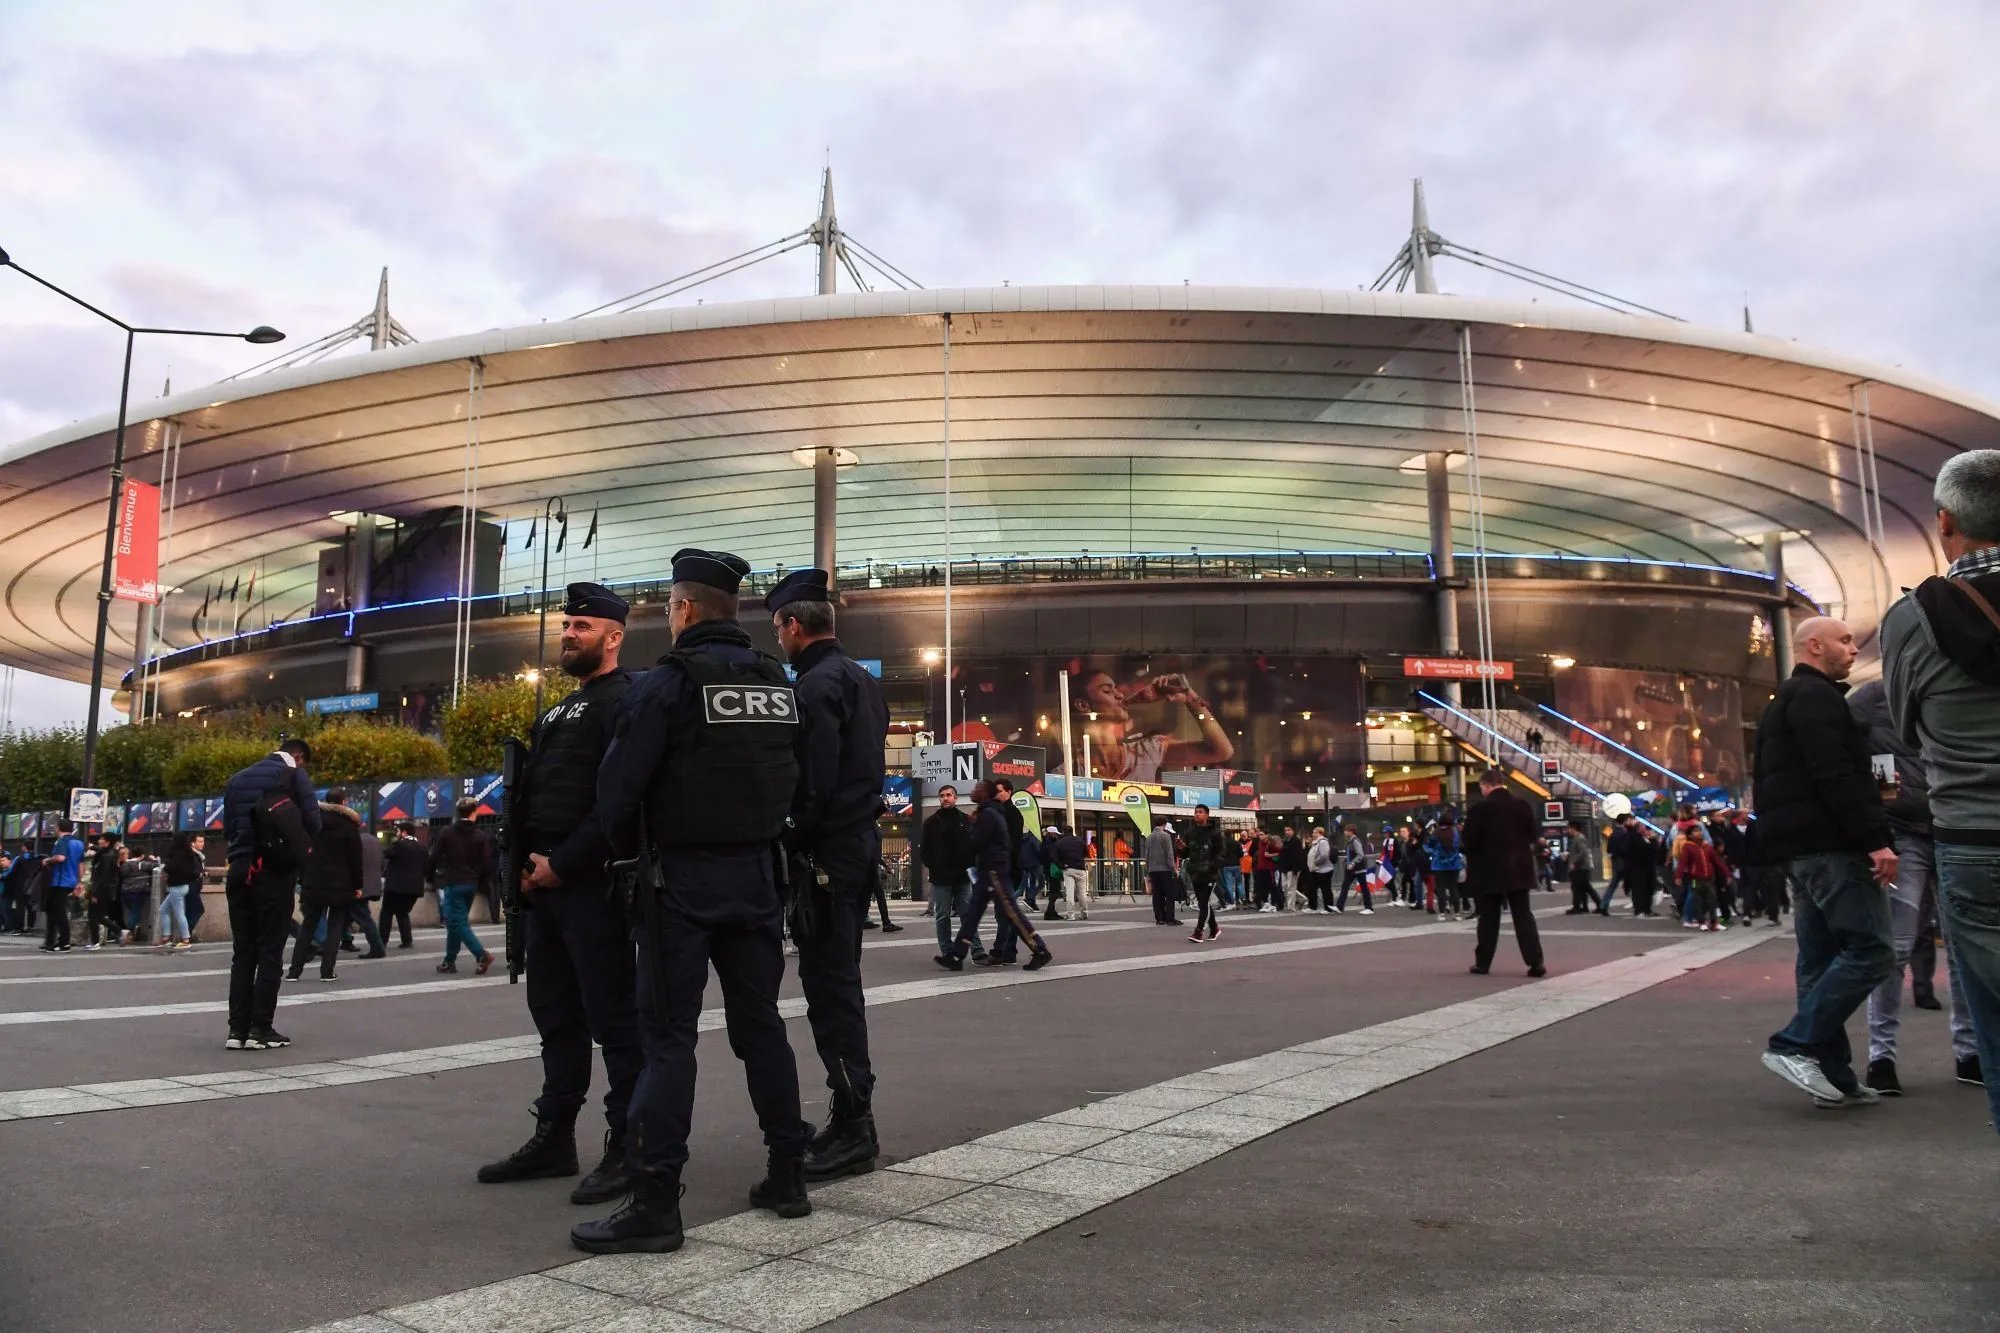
(203, 768)
(37, 768)
(357, 751)
(489, 711)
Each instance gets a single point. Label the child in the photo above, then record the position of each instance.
(1700, 869)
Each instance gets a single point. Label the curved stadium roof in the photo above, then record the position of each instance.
(1107, 419)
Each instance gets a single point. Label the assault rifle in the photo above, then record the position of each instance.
(513, 852)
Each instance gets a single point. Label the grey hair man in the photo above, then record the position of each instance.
(1941, 662)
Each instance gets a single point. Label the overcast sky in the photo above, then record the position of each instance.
(227, 164)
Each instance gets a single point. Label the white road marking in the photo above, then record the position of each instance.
(38, 1103)
(875, 1236)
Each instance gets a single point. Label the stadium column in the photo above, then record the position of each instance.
(1444, 577)
(826, 470)
(142, 637)
(1781, 604)
(360, 595)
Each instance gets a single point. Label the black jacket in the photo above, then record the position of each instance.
(1910, 812)
(843, 725)
(1292, 855)
(332, 873)
(1814, 790)
(947, 847)
(462, 854)
(1203, 850)
(1499, 842)
(992, 841)
(183, 865)
(247, 787)
(403, 864)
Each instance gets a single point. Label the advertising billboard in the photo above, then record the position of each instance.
(1283, 723)
(1692, 724)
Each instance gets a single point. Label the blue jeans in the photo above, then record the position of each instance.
(1025, 887)
(1231, 884)
(1841, 916)
(455, 905)
(948, 904)
(173, 914)
(1969, 904)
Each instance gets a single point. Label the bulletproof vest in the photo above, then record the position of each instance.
(729, 775)
(570, 741)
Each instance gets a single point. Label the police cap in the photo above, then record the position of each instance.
(717, 569)
(801, 585)
(596, 601)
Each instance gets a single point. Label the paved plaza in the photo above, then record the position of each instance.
(1313, 1123)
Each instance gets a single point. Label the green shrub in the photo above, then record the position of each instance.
(37, 768)
(204, 767)
(355, 751)
(488, 712)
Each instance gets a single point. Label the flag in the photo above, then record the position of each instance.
(250, 593)
(234, 587)
(591, 536)
(531, 536)
(562, 531)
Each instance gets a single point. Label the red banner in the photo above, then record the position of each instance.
(136, 571)
(1410, 791)
(1457, 668)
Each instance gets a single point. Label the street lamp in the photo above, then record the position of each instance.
(263, 333)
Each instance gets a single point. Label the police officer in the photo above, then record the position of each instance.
(579, 963)
(843, 726)
(697, 783)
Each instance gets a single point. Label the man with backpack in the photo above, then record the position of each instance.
(269, 815)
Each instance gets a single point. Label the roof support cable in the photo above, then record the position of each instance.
(887, 269)
(461, 640)
(645, 296)
(1861, 421)
(1481, 599)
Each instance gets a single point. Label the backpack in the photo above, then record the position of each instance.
(280, 832)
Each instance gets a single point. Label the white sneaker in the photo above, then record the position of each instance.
(1368, 911)
(1803, 1072)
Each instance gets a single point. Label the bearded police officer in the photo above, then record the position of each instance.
(696, 787)
(835, 842)
(579, 963)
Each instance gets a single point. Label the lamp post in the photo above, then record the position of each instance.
(263, 333)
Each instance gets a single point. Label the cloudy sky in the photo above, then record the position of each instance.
(226, 164)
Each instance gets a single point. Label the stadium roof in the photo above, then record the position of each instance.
(1106, 419)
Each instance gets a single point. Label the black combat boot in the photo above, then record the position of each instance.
(610, 1178)
(846, 1147)
(648, 1222)
(551, 1151)
(783, 1188)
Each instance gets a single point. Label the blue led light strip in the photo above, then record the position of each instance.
(1481, 727)
(1644, 759)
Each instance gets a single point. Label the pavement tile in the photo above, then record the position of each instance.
(1172, 1097)
(906, 1251)
(1043, 1136)
(318, 1071)
(222, 1077)
(130, 1085)
(970, 1162)
(1330, 1087)
(654, 1277)
(1000, 1210)
(530, 1304)
(768, 1234)
(73, 1104)
(1347, 1043)
(1113, 1115)
(646, 1319)
(1277, 1065)
(171, 1096)
(785, 1296)
(343, 1076)
(257, 1087)
(435, 1064)
(1284, 1110)
(366, 1323)
(1206, 1124)
(1085, 1178)
(886, 1193)
(1166, 1152)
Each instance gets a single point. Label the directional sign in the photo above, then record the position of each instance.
(1457, 668)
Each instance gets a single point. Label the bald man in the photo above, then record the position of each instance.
(1820, 815)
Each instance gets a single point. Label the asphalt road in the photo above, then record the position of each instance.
(1630, 1166)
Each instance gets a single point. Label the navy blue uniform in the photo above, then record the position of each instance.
(843, 725)
(581, 984)
(718, 905)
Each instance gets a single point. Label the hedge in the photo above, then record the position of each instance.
(476, 728)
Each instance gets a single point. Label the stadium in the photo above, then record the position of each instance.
(1294, 532)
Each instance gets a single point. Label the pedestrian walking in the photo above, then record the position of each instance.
(461, 864)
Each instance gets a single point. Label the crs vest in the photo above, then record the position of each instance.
(570, 740)
(730, 775)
